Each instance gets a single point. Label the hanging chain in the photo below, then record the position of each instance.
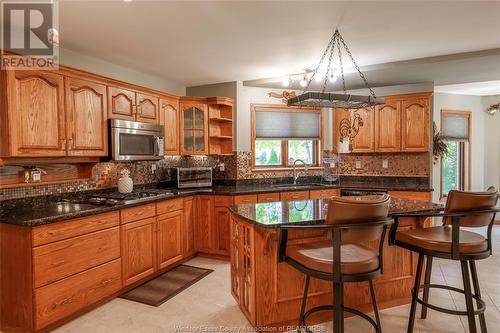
(325, 80)
(356, 65)
(332, 41)
(340, 62)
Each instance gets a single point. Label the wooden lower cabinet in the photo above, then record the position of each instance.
(324, 194)
(169, 238)
(189, 241)
(204, 227)
(65, 297)
(138, 250)
(298, 195)
(268, 197)
(221, 219)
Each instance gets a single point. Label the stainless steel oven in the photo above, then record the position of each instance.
(135, 141)
(194, 177)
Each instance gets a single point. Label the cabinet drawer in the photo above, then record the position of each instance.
(422, 196)
(223, 200)
(63, 298)
(323, 194)
(55, 232)
(61, 259)
(300, 195)
(268, 197)
(244, 199)
(138, 213)
(168, 206)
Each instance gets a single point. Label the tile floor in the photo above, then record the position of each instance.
(209, 305)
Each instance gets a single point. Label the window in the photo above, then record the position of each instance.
(282, 135)
(455, 164)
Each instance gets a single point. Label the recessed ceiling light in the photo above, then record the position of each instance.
(127, 0)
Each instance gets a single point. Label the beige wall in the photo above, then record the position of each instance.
(492, 143)
(118, 72)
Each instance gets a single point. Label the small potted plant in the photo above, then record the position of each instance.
(440, 147)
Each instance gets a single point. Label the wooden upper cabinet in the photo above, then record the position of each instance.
(35, 114)
(169, 118)
(194, 128)
(388, 127)
(121, 103)
(86, 116)
(415, 125)
(364, 141)
(147, 108)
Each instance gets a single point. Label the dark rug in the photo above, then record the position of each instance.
(159, 290)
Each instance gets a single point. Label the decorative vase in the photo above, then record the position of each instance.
(125, 183)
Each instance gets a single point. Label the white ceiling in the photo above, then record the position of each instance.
(206, 42)
(476, 88)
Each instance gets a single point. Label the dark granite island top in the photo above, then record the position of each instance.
(274, 214)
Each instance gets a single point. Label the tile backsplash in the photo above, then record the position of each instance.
(236, 167)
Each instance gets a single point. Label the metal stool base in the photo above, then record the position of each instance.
(332, 308)
(481, 305)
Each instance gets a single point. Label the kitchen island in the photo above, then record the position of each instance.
(269, 292)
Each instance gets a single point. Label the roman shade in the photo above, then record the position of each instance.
(286, 124)
(456, 126)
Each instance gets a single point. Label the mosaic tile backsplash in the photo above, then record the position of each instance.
(237, 167)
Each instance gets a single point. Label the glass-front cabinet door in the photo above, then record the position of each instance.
(194, 129)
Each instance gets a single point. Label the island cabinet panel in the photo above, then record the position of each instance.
(388, 126)
(61, 259)
(189, 226)
(297, 195)
(169, 118)
(415, 125)
(35, 116)
(269, 293)
(324, 194)
(68, 296)
(138, 250)
(205, 227)
(86, 118)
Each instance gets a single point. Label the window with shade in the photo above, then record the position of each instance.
(282, 135)
(455, 164)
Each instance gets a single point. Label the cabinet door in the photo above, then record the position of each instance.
(148, 108)
(169, 118)
(364, 141)
(86, 116)
(194, 129)
(205, 229)
(138, 249)
(388, 127)
(416, 124)
(222, 236)
(188, 230)
(35, 113)
(169, 238)
(121, 104)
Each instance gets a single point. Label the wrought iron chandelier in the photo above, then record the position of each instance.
(334, 100)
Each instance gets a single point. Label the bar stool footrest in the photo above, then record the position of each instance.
(480, 310)
(332, 308)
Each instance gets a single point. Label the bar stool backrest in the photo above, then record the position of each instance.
(461, 201)
(356, 210)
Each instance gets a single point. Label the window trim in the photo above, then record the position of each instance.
(465, 176)
(284, 142)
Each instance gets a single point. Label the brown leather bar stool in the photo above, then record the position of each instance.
(449, 241)
(343, 258)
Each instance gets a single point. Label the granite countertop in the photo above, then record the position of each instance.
(34, 211)
(274, 214)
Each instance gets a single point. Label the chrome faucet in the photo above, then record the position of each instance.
(295, 175)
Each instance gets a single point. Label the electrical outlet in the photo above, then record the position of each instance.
(332, 164)
(358, 164)
(153, 168)
(385, 164)
(222, 167)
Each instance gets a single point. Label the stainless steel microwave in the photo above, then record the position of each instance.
(135, 141)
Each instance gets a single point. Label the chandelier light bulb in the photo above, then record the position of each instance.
(303, 82)
(286, 81)
(319, 77)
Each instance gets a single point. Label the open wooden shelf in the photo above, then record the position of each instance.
(220, 111)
